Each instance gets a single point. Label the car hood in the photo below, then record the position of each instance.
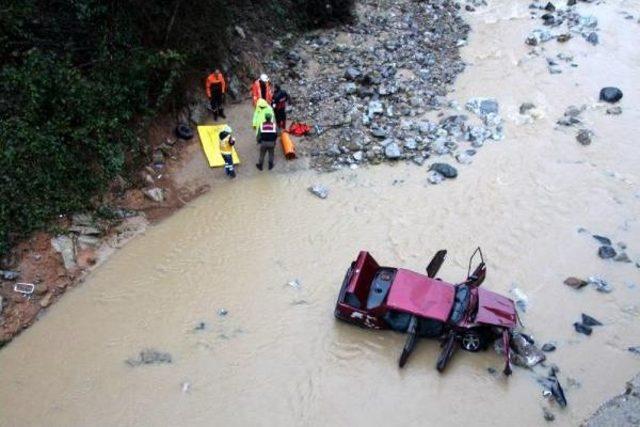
(494, 309)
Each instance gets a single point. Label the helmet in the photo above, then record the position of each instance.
(227, 129)
(264, 77)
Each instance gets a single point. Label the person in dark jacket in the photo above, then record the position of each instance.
(280, 100)
(267, 135)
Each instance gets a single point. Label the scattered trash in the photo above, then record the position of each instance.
(222, 312)
(434, 177)
(603, 240)
(524, 352)
(606, 252)
(582, 329)
(622, 257)
(634, 350)
(319, 190)
(24, 288)
(548, 347)
(186, 387)
(522, 301)
(295, 283)
(200, 326)
(525, 107)
(600, 284)
(9, 275)
(614, 111)
(148, 357)
(554, 388)
(590, 321)
(584, 136)
(575, 283)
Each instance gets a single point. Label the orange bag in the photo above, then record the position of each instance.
(288, 147)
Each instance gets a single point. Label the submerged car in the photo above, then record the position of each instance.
(422, 305)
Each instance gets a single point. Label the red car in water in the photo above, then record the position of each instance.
(425, 306)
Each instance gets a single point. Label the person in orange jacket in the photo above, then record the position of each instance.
(262, 89)
(216, 88)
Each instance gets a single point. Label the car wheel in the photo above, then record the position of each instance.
(472, 341)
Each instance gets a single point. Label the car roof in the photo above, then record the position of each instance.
(420, 295)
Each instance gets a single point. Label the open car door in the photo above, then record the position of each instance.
(479, 273)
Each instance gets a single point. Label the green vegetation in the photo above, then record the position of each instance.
(79, 78)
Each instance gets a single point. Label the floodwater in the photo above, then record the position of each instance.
(279, 358)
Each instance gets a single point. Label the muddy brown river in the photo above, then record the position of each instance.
(279, 358)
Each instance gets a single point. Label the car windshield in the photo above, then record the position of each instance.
(461, 303)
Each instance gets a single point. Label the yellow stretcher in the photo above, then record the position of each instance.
(211, 145)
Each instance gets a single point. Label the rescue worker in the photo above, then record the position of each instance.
(280, 99)
(262, 109)
(262, 89)
(216, 88)
(267, 135)
(226, 149)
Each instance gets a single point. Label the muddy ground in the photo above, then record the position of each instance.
(391, 110)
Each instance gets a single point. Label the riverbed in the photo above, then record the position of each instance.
(278, 357)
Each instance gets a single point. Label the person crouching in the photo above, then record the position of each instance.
(267, 135)
(226, 149)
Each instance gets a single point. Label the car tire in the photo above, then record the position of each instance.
(184, 132)
(472, 341)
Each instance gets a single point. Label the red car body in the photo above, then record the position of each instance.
(376, 297)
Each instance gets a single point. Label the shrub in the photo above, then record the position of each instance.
(78, 79)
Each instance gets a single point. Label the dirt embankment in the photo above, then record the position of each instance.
(622, 410)
(55, 260)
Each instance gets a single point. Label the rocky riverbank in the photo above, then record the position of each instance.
(377, 90)
(622, 410)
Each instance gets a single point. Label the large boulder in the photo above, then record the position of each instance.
(65, 246)
(610, 94)
(352, 73)
(392, 151)
(444, 169)
(482, 106)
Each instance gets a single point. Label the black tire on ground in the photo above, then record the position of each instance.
(184, 132)
(473, 341)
